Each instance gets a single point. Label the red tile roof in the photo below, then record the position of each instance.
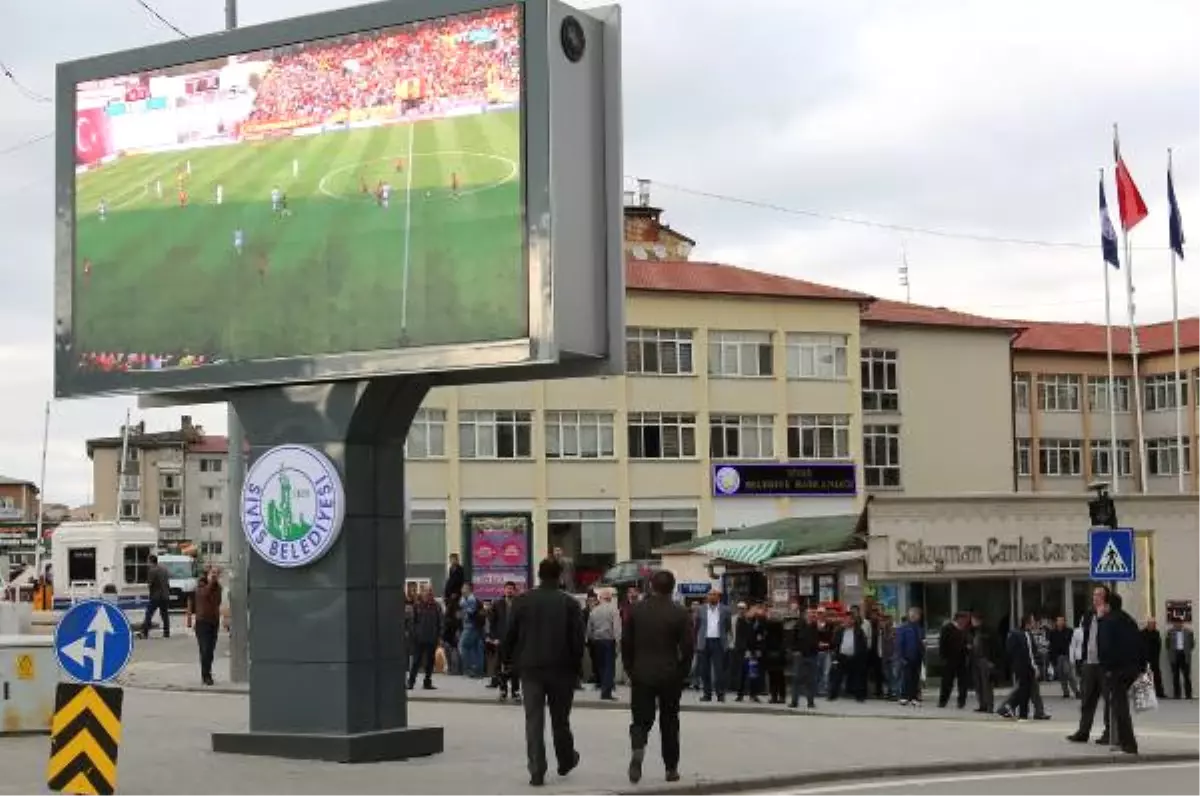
(899, 312)
(1091, 338)
(211, 443)
(685, 276)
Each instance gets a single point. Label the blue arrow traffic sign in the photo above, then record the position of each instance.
(93, 642)
(1112, 554)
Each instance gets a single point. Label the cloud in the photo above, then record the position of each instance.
(982, 117)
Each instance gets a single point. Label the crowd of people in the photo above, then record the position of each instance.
(120, 362)
(364, 71)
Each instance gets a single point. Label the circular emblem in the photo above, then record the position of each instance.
(727, 480)
(293, 504)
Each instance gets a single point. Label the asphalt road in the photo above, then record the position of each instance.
(1164, 778)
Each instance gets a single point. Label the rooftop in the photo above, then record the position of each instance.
(1091, 338)
(686, 276)
(904, 313)
(6, 481)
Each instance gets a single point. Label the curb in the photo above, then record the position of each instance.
(870, 776)
(727, 709)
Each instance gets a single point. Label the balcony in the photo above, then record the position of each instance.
(173, 523)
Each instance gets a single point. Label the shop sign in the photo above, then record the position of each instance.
(1179, 611)
(784, 480)
(995, 552)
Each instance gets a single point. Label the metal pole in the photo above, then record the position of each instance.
(1114, 459)
(239, 591)
(41, 501)
(1181, 462)
(121, 465)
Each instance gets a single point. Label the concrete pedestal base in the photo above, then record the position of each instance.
(401, 743)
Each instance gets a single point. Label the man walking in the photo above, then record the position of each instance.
(544, 640)
(604, 633)
(981, 664)
(955, 651)
(1121, 660)
(428, 622)
(158, 580)
(1093, 677)
(714, 634)
(1060, 658)
(1022, 657)
(206, 606)
(1180, 644)
(657, 651)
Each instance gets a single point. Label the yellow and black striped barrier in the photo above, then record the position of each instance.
(85, 735)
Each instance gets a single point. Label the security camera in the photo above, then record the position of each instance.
(573, 41)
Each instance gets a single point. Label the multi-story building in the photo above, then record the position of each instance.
(727, 369)
(19, 500)
(173, 480)
(1063, 426)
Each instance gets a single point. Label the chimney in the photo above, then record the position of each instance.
(185, 423)
(141, 427)
(643, 192)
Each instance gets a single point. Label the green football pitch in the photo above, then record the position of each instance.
(336, 272)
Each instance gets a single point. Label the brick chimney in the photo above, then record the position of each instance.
(646, 236)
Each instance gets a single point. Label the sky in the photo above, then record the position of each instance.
(973, 118)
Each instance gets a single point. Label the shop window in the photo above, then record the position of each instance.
(588, 537)
(425, 545)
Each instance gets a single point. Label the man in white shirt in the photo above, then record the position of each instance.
(713, 637)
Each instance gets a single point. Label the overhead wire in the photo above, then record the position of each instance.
(152, 11)
(21, 88)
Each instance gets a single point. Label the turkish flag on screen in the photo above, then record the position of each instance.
(93, 136)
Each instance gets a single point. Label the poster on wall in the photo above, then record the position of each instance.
(1179, 611)
(499, 547)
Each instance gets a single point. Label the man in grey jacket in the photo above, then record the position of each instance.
(604, 633)
(427, 626)
(1180, 644)
(714, 637)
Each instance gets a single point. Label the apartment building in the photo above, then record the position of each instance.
(173, 480)
(1063, 428)
(748, 398)
(18, 500)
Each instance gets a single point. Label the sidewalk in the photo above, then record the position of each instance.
(166, 749)
(174, 676)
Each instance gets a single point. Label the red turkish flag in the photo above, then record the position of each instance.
(1129, 199)
(93, 136)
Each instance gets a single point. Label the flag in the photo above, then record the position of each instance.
(1108, 235)
(1177, 239)
(1129, 201)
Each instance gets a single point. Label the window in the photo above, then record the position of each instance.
(211, 492)
(818, 437)
(1021, 392)
(881, 455)
(880, 385)
(1060, 457)
(427, 435)
(136, 561)
(425, 542)
(658, 435)
(1162, 456)
(131, 509)
(210, 465)
(1058, 392)
(666, 352)
(131, 483)
(1160, 391)
(495, 435)
(1024, 452)
(588, 536)
(211, 519)
(816, 356)
(1101, 457)
(741, 436)
(734, 354)
(211, 548)
(81, 565)
(650, 529)
(132, 454)
(169, 482)
(580, 435)
(170, 508)
(1098, 393)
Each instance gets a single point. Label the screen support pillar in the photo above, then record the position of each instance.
(327, 645)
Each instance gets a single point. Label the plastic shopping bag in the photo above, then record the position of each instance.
(1142, 694)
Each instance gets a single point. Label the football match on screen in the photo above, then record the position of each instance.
(353, 194)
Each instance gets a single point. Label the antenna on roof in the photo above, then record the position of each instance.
(904, 283)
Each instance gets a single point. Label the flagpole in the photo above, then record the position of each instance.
(1181, 463)
(1114, 458)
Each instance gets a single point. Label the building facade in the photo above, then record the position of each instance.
(19, 500)
(173, 480)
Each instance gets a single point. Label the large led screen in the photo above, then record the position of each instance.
(355, 194)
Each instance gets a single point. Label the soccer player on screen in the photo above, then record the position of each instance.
(239, 241)
(362, 184)
(220, 193)
(399, 165)
(87, 269)
(385, 195)
(102, 209)
(276, 199)
(295, 168)
(183, 197)
(454, 184)
(158, 188)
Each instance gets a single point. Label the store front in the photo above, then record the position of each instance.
(1005, 555)
(817, 579)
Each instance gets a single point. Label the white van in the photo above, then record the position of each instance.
(181, 572)
(93, 559)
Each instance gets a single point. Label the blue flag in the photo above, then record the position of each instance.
(1176, 222)
(1108, 235)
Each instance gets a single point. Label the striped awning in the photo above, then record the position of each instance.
(743, 551)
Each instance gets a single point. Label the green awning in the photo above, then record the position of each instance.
(744, 551)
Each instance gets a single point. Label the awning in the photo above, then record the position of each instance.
(816, 559)
(743, 551)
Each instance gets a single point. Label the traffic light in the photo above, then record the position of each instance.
(1103, 511)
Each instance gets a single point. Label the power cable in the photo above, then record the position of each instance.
(152, 11)
(24, 90)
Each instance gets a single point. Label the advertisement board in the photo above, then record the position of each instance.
(792, 479)
(346, 195)
(500, 549)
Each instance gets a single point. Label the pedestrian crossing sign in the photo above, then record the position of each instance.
(1112, 554)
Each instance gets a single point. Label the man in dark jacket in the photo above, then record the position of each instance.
(954, 648)
(1093, 676)
(802, 645)
(850, 667)
(544, 640)
(427, 631)
(455, 578)
(1121, 660)
(910, 651)
(656, 647)
(159, 582)
(1022, 660)
(506, 676)
(1060, 657)
(1152, 644)
(206, 605)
